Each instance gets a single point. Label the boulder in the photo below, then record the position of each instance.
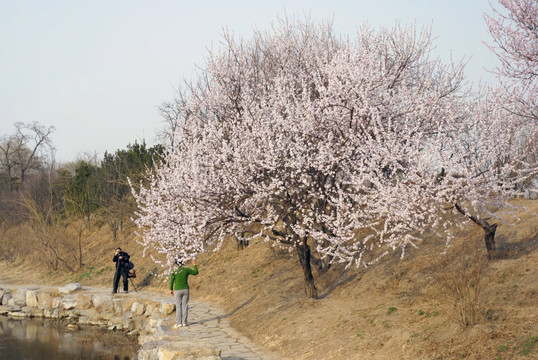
(167, 308)
(138, 309)
(32, 311)
(103, 303)
(51, 313)
(84, 320)
(17, 314)
(149, 310)
(6, 296)
(69, 288)
(89, 313)
(2, 292)
(176, 349)
(19, 297)
(117, 305)
(125, 303)
(31, 298)
(56, 302)
(5, 309)
(127, 316)
(84, 301)
(44, 300)
(69, 302)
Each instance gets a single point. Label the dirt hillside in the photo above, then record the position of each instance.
(410, 308)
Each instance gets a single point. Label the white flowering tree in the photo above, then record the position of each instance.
(514, 29)
(515, 34)
(304, 139)
(342, 150)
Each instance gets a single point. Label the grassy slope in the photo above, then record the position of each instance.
(397, 309)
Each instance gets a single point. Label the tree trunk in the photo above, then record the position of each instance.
(321, 264)
(489, 231)
(80, 231)
(303, 251)
(490, 239)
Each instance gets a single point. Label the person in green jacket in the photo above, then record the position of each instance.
(179, 287)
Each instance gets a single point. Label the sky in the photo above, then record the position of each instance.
(98, 70)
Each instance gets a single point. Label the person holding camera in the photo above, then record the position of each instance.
(179, 287)
(121, 258)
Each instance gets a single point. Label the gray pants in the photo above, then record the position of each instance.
(182, 305)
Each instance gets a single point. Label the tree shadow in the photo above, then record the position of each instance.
(226, 315)
(341, 281)
(507, 250)
(147, 279)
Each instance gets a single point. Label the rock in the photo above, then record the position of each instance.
(179, 349)
(69, 288)
(98, 322)
(137, 309)
(113, 327)
(117, 305)
(27, 310)
(90, 313)
(103, 303)
(149, 310)
(19, 297)
(17, 314)
(167, 308)
(72, 327)
(68, 302)
(109, 316)
(84, 301)
(5, 296)
(44, 300)
(7, 308)
(31, 298)
(155, 323)
(2, 293)
(128, 325)
(127, 316)
(84, 320)
(51, 313)
(56, 302)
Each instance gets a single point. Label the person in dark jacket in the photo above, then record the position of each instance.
(179, 287)
(121, 258)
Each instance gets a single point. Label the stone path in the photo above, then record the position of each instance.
(206, 322)
(209, 323)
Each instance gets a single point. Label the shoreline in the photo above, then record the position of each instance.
(148, 315)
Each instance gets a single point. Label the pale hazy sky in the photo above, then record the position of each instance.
(97, 70)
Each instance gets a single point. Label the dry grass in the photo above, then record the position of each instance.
(398, 309)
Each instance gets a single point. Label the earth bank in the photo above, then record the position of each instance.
(397, 309)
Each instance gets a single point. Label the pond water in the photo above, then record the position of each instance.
(35, 339)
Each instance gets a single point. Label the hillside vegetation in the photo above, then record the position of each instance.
(406, 308)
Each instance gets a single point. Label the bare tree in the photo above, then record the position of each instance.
(7, 160)
(39, 201)
(28, 144)
(173, 113)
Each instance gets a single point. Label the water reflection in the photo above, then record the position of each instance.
(33, 339)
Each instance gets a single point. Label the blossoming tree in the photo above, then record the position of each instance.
(341, 150)
(514, 30)
(515, 36)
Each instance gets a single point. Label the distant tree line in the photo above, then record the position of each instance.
(51, 198)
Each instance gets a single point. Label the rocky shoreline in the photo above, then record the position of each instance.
(138, 314)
